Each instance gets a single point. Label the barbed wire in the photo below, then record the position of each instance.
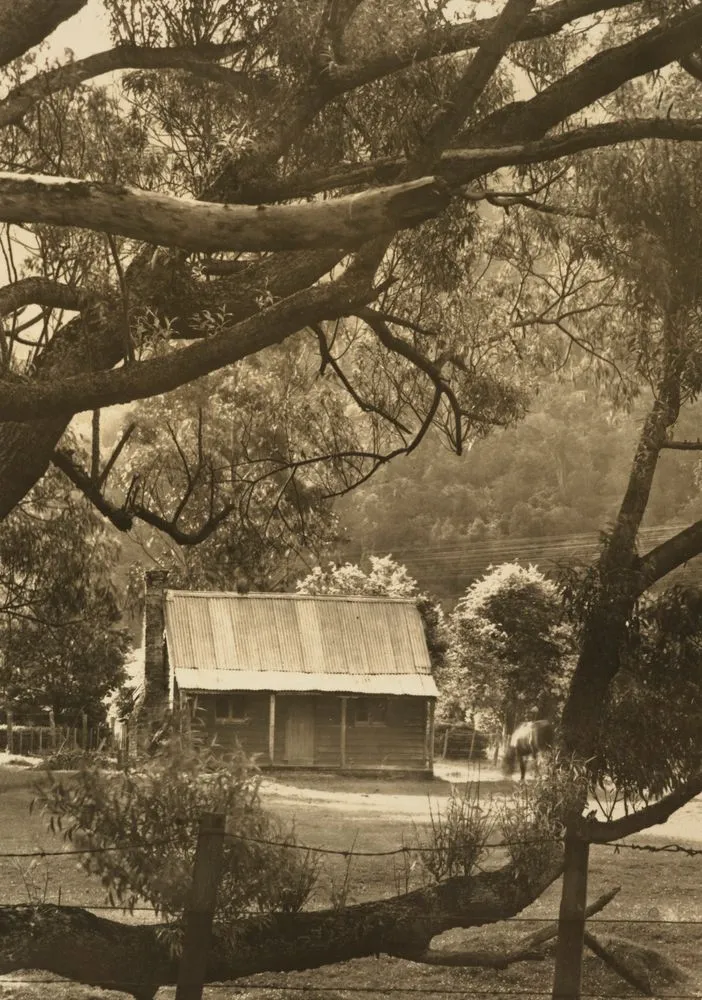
(691, 852)
(353, 852)
(86, 850)
(433, 849)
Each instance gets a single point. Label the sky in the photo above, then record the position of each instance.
(85, 33)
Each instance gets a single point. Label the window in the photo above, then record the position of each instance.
(370, 711)
(231, 708)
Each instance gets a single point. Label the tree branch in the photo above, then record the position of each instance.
(458, 166)
(528, 948)
(170, 528)
(692, 64)
(623, 969)
(63, 460)
(116, 452)
(238, 180)
(22, 400)
(667, 556)
(43, 292)
(473, 82)
(469, 35)
(593, 79)
(399, 346)
(73, 942)
(196, 225)
(683, 445)
(197, 60)
(26, 23)
(597, 832)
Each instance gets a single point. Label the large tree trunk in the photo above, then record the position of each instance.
(617, 579)
(74, 943)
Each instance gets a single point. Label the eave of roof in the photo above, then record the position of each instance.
(214, 681)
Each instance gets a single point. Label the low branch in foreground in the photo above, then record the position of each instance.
(528, 949)
(624, 969)
(204, 226)
(74, 943)
(597, 832)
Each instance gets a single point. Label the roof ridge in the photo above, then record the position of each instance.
(275, 595)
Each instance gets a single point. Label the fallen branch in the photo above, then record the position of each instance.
(628, 974)
(528, 949)
(86, 948)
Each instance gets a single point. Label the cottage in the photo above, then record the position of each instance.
(298, 681)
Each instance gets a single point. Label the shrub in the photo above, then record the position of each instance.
(148, 816)
(73, 758)
(457, 839)
(532, 820)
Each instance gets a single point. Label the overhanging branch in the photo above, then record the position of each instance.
(25, 23)
(597, 832)
(63, 460)
(457, 166)
(198, 60)
(208, 227)
(43, 292)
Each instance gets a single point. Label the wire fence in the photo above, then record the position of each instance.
(442, 987)
(353, 852)
(346, 854)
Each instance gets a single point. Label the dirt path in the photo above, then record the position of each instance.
(394, 798)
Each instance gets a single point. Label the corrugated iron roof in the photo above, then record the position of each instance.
(295, 637)
(422, 685)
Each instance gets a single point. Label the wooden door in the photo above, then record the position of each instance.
(299, 732)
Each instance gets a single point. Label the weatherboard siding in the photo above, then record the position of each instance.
(251, 735)
(399, 743)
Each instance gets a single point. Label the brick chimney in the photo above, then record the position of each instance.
(155, 665)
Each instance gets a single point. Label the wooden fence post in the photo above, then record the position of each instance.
(9, 731)
(199, 912)
(84, 736)
(571, 920)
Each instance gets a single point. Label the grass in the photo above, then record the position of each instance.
(659, 893)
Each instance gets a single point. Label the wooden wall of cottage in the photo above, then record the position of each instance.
(308, 731)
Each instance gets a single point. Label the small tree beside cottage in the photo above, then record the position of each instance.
(509, 649)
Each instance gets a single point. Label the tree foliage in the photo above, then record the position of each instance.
(61, 643)
(374, 178)
(508, 651)
(152, 812)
